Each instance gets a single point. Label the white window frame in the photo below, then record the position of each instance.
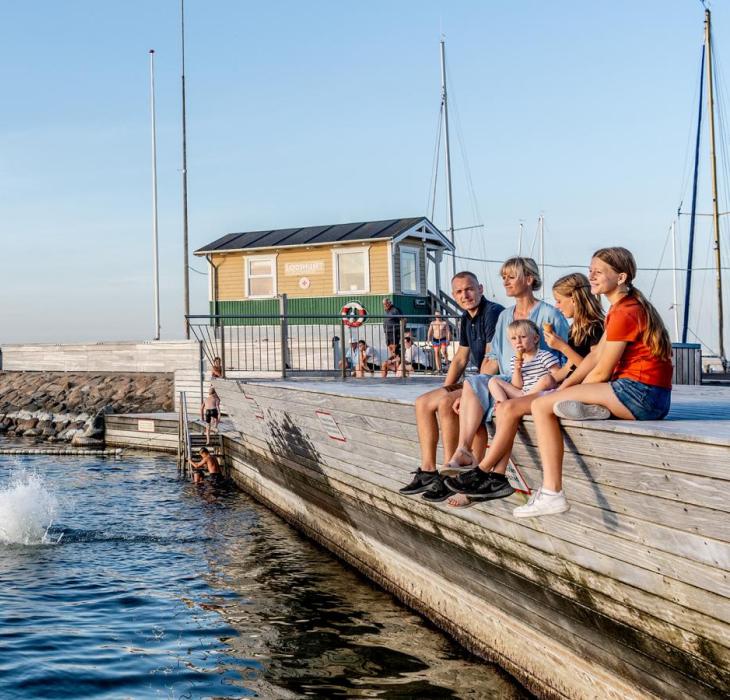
(410, 249)
(336, 252)
(246, 278)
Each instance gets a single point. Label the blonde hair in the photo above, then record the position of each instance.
(523, 267)
(524, 324)
(588, 310)
(655, 335)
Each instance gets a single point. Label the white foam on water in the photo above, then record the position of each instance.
(27, 510)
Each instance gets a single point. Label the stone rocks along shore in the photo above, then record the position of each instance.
(69, 406)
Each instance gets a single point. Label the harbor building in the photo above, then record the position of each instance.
(321, 269)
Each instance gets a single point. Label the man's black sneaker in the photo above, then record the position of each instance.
(438, 491)
(486, 487)
(467, 479)
(421, 482)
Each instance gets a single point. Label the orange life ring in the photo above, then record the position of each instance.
(353, 314)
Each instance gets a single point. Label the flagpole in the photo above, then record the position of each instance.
(186, 267)
(155, 246)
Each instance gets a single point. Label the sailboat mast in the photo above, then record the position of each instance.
(542, 252)
(715, 212)
(675, 305)
(449, 200)
(693, 216)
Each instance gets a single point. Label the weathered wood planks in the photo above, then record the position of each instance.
(634, 579)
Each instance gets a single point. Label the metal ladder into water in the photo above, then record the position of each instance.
(189, 443)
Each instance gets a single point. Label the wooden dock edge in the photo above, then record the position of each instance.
(545, 667)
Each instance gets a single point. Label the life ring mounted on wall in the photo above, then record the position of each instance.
(353, 314)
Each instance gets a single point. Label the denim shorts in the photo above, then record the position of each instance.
(644, 401)
(478, 383)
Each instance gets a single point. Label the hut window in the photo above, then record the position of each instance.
(409, 271)
(261, 277)
(352, 272)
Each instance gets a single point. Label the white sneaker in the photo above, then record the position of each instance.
(543, 504)
(577, 410)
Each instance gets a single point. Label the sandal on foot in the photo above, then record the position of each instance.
(459, 500)
(453, 468)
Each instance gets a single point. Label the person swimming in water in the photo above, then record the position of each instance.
(208, 462)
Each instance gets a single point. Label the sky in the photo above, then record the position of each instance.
(326, 112)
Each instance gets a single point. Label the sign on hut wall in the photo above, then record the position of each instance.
(297, 269)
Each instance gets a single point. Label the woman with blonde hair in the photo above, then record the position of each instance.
(630, 379)
(574, 300)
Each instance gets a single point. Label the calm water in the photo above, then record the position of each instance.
(144, 586)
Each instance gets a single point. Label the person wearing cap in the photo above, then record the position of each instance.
(439, 335)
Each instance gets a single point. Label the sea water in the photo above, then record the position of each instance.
(118, 580)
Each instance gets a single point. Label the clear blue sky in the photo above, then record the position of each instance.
(325, 112)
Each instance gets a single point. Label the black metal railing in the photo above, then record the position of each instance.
(317, 344)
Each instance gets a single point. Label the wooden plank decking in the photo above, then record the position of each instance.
(627, 595)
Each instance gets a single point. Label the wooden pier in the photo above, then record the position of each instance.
(625, 596)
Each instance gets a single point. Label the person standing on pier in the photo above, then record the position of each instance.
(439, 335)
(391, 323)
(476, 331)
(210, 411)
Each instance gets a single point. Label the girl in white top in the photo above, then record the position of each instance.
(532, 370)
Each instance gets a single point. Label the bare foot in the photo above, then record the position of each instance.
(459, 500)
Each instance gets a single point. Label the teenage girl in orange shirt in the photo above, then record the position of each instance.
(629, 378)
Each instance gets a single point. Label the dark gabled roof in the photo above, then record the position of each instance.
(311, 235)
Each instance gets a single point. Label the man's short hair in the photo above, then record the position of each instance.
(464, 273)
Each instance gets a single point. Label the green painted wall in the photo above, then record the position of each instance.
(411, 306)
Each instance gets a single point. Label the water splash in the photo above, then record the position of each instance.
(27, 510)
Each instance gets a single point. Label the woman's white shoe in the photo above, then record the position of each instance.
(577, 410)
(541, 503)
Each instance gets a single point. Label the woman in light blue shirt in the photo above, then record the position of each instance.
(521, 279)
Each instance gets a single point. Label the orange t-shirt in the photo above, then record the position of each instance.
(626, 321)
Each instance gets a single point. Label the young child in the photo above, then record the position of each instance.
(210, 412)
(216, 371)
(533, 370)
(207, 462)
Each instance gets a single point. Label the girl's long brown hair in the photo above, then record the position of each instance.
(655, 336)
(588, 310)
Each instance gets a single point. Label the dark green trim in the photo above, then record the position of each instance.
(411, 306)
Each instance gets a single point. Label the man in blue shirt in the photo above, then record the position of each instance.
(476, 331)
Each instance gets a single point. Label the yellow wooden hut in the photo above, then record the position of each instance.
(321, 268)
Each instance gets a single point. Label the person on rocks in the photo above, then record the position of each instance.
(210, 412)
(436, 407)
(207, 463)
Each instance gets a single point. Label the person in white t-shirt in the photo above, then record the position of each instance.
(367, 360)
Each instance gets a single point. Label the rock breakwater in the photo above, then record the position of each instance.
(65, 406)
